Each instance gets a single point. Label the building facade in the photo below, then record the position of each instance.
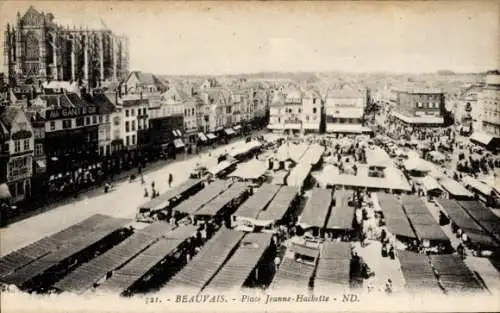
(17, 152)
(311, 111)
(71, 134)
(420, 106)
(37, 49)
(344, 110)
(489, 100)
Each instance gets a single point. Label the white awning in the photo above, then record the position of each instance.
(54, 159)
(4, 192)
(237, 127)
(250, 170)
(211, 136)
(314, 126)
(202, 137)
(430, 183)
(275, 126)
(347, 128)
(293, 126)
(229, 131)
(419, 119)
(178, 143)
(481, 138)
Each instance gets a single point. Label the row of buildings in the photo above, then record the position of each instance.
(65, 132)
(297, 110)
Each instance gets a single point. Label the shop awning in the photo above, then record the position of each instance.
(419, 119)
(178, 143)
(481, 138)
(54, 159)
(211, 136)
(347, 128)
(237, 127)
(202, 137)
(229, 131)
(275, 126)
(4, 192)
(41, 163)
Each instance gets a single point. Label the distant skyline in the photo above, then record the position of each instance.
(214, 38)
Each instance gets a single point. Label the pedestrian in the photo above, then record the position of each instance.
(170, 180)
(146, 194)
(153, 184)
(388, 286)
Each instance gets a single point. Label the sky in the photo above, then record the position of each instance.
(200, 38)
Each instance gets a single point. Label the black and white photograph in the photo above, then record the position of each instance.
(249, 156)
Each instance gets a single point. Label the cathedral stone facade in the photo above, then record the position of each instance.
(39, 50)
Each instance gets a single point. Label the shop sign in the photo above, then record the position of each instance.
(71, 112)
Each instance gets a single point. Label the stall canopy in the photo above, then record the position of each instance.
(194, 203)
(394, 179)
(250, 170)
(454, 188)
(313, 154)
(221, 167)
(202, 268)
(342, 215)
(476, 184)
(377, 156)
(239, 267)
(211, 136)
(280, 205)
(293, 274)
(460, 217)
(418, 273)
(237, 127)
(213, 207)
(125, 277)
(481, 138)
(316, 209)
(417, 164)
(245, 148)
(70, 249)
(394, 216)
(229, 131)
(202, 137)
(49, 244)
(258, 201)
(454, 275)
(4, 192)
(430, 184)
(290, 151)
(84, 276)
(298, 175)
(426, 227)
(334, 265)
(483, 216)
(159, 203)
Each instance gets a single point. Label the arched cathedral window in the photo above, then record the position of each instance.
(32, 46)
